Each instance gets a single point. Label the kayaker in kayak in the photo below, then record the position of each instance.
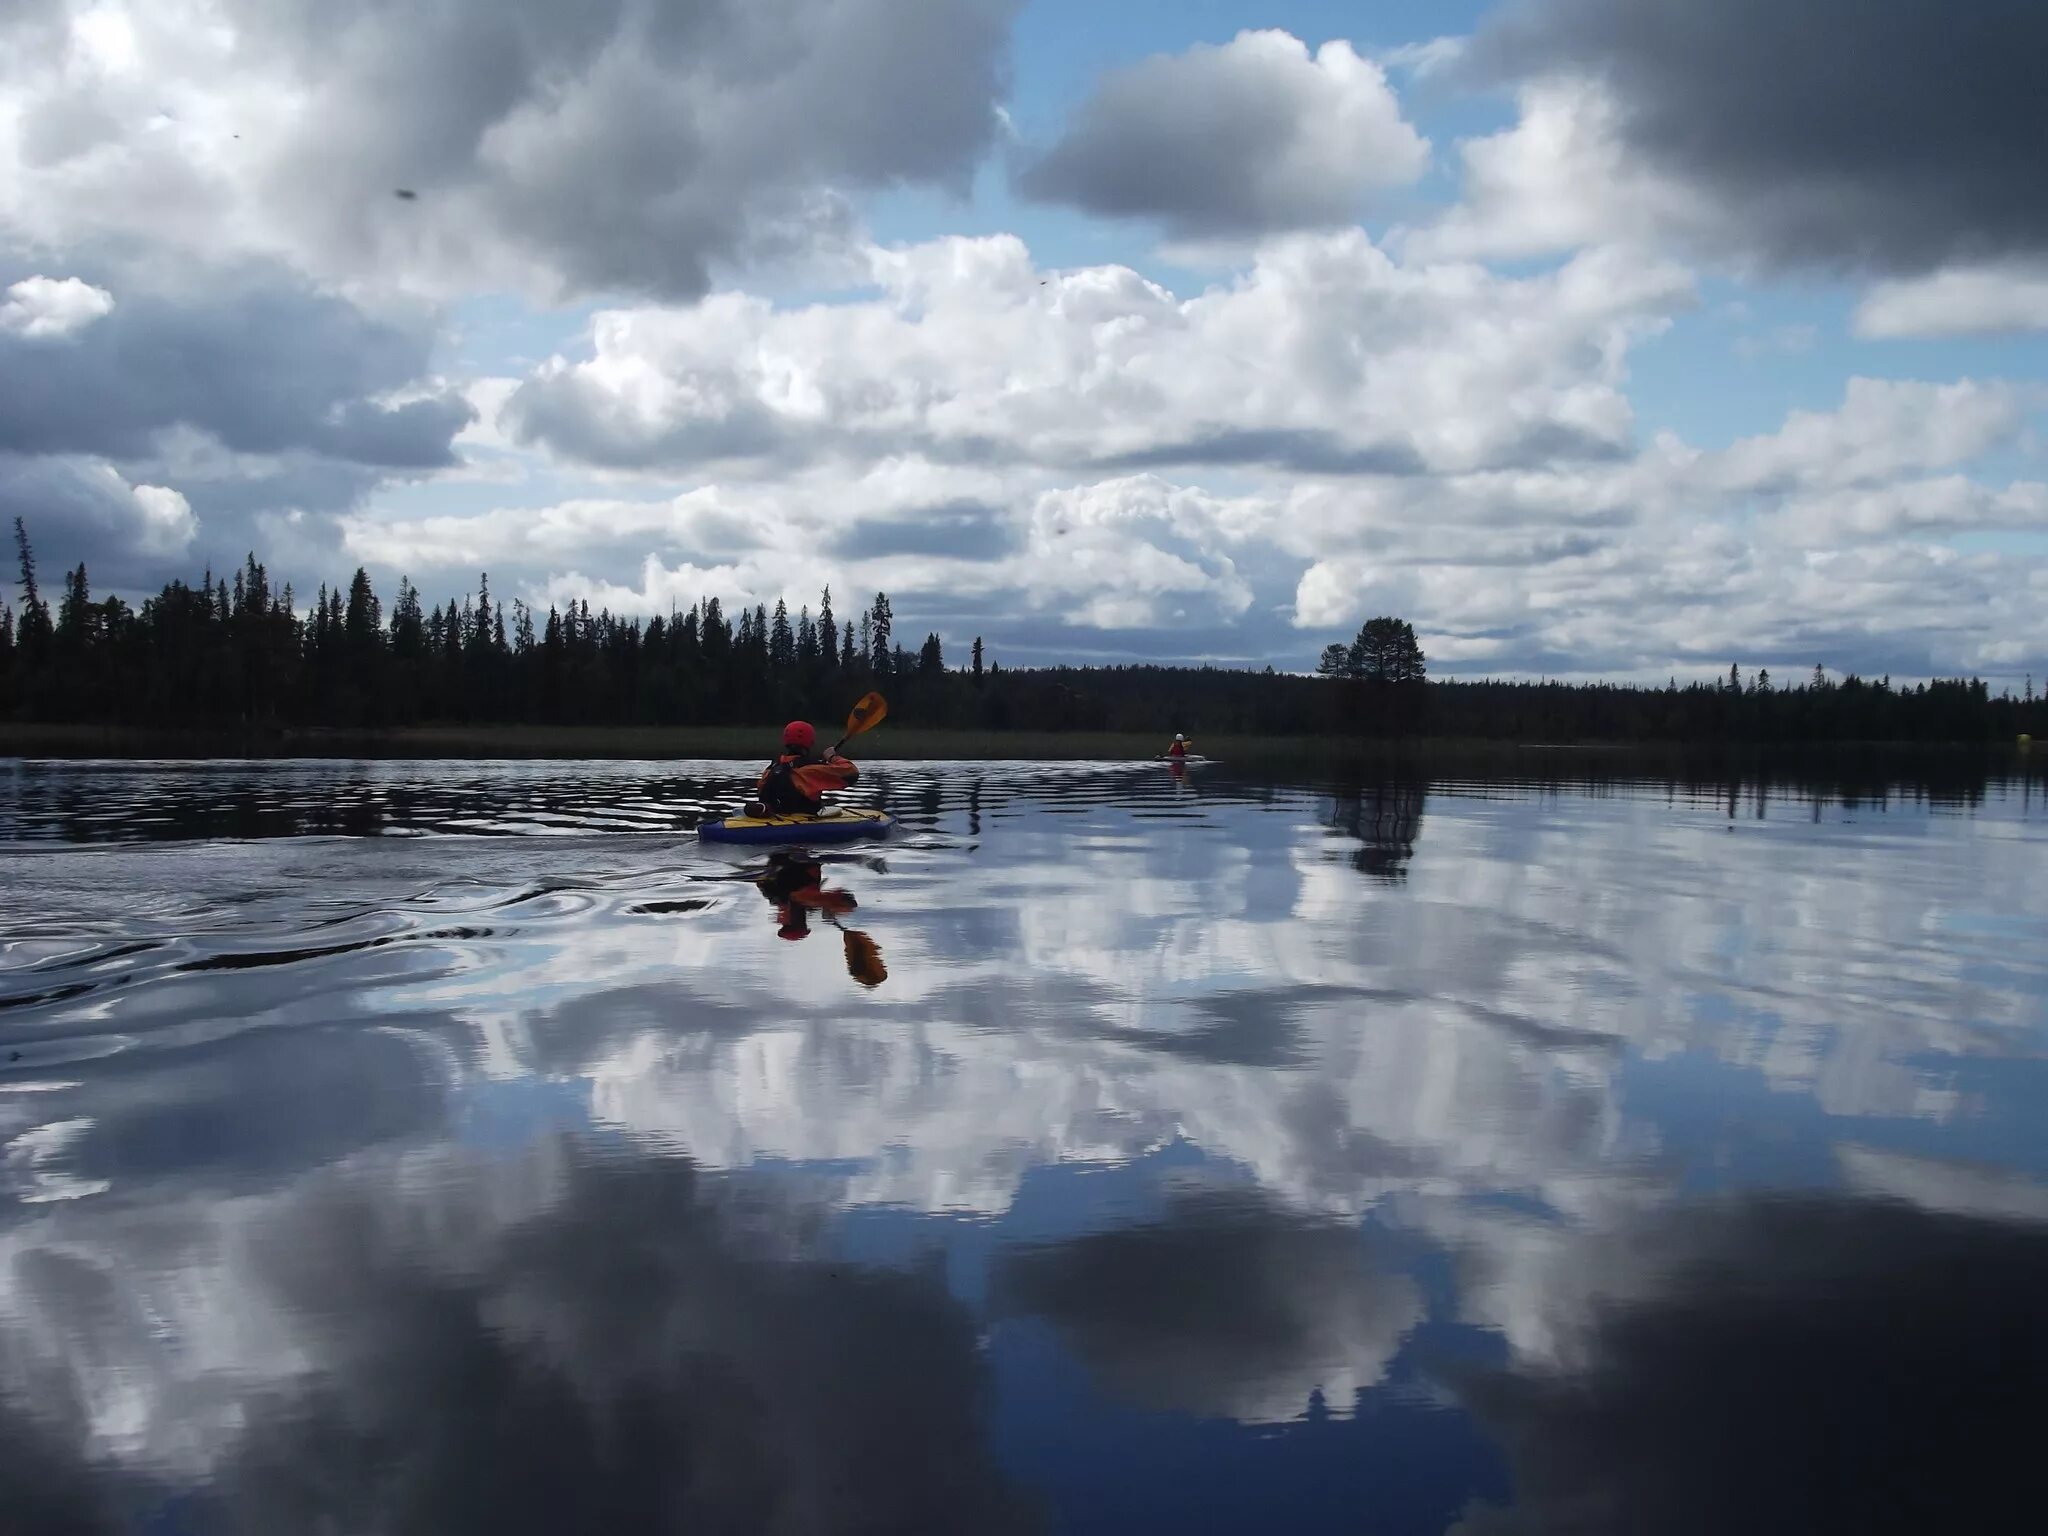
(797, 781)
(1179, 748)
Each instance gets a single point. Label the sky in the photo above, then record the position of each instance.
(1617, 338)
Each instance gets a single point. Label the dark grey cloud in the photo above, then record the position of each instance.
(244, 390)
(962, 530)
(84, 510)
(1228, 1305)
(245, 1109)
(255, 359)
(628, 145)
(1892, 136)
(1253, 136)
(1799, 1365)
(557, 411)
(1303, 451)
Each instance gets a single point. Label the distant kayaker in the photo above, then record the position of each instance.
(797, 781)
(1179, 747)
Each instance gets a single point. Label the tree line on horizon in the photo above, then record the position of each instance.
(240, 655)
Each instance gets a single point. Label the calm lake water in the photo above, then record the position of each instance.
(453, 1148)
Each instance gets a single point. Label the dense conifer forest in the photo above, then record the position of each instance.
(240, 653)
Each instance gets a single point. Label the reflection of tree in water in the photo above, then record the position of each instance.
(1386, 818)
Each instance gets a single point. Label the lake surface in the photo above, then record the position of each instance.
(453, 1148)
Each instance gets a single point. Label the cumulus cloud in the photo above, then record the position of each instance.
(1884, 428)
(1326, 356)
(52, 306)
(1818, 541)
(627, 145)
(1559, 177)
(1833, 134)
(1253, 136)
(1807, 543)
(1135, 552)
(1958, 301)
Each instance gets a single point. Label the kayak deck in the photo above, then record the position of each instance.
(832, 826)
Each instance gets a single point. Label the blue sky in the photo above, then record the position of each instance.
(1215, 328)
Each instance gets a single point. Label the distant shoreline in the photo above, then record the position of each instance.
(476, 743)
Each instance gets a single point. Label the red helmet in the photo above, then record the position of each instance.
(798, 734)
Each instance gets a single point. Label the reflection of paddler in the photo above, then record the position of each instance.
(794, 884)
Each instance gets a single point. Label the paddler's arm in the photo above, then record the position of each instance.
(815, 779)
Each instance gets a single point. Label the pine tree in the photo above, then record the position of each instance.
(32, 630)
(828, 631)
(482, 632)
(846, 644)
(75, 618)
(364, 621)
(931, 657)
(781, 639)
(975, 669)
(877, 632)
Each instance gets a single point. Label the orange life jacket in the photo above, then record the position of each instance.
(795, 784)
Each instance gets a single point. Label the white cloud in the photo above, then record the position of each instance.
(1883, 429)
(1559, 178)
(1325, 356)
(1812, 541)
(1958, 301)
(1426, 58)
(52, 306)
(1946, 504)
(167, 524)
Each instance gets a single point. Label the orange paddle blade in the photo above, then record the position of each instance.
(867, 714)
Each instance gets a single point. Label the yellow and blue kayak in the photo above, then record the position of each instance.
(836, 825)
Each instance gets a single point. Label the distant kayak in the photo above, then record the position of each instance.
(832, 826)
(1191, 758)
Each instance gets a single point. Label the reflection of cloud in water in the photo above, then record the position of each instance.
(1785, 1365)
(1451, 1049)
(569, 1341)
(1226, 1306)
